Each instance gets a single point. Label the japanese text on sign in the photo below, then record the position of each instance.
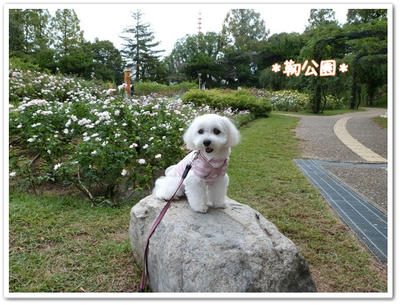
(326, 68)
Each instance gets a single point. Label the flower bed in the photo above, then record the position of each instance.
(74, 132)
(288, 100)
(292, 100)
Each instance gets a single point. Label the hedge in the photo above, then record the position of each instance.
(146, 88)
(239, 99)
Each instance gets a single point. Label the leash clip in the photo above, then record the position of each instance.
(189, 165)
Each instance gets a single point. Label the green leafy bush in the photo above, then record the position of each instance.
(240, 100)
(146, 88)
(183, 87)
(333, 103)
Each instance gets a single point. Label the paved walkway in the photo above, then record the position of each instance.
(368, 222)
(344, 141)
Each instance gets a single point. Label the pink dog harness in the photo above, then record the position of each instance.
(203, 168)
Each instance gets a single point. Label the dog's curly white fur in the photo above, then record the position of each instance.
(213, 136)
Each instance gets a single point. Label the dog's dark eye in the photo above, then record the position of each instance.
(201, 131)
(216, 131)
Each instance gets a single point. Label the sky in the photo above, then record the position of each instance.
(170, 22)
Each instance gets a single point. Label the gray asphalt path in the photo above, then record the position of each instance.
(320, 143)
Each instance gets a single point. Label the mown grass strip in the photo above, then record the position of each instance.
(325, 113)
(382, 122)
(263, 175)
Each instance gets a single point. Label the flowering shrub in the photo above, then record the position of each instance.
(288, 100)
(63, 130)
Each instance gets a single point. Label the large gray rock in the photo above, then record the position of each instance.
(226, 250)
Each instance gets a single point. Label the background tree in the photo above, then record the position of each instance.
(138, 49)
(17, 40)
(67, 33)
(195, 54)
(243, 28)
(357, 16)
(321, 17)
(243, 37)
(107, 61)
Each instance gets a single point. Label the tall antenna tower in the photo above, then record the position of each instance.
(199, 22)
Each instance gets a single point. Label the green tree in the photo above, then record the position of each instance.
(357, 16)
(243, 38)
(242, 28)
(321, 17)
(107, 61)
(67, 34)
(17, 43)
(195, 54)
(138, 49)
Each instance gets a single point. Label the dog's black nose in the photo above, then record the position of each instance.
(206, 142)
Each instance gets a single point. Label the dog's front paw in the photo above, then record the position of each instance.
(200, 208)
(218, 205)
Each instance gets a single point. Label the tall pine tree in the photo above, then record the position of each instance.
(138, 49)
(67, 31)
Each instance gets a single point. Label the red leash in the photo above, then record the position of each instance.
(143, 280)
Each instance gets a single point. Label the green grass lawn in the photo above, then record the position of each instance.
(325, 113)
(382, 122)
(64, 244)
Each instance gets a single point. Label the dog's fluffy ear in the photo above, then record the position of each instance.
(189, 136)
(233, 133)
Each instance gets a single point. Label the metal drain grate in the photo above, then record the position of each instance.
(368, 222)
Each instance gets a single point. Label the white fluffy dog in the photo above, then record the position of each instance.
(211, 137)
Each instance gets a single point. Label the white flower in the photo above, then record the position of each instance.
(133, 145)
(141, 161)
(93, 152)
(12, 174)
(117, 135)
(158, 156)
(151, 139)
(19, 126)
(95, 135)
(74, 118)
(86, 139)
(36, 124)
(98, 139)
(124, 172)
(31, 140)
(68, 123)
(57, 166)
(65, 131)
(117, 112)
(180, 129)
(84, 121)
(111, 90)
(49, 151)
(145, 146)
(121, 87)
